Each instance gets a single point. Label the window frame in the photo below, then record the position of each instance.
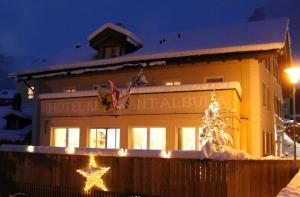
(206, 79)
(30, 92)
(70, 89)
(268, 143)
(196, 140)
(266, 96)
(172, 82)
(106, 132)
(52, 142)
(148, 141)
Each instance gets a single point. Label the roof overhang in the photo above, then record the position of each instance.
(143, 60)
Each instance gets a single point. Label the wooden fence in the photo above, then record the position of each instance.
(39, 174)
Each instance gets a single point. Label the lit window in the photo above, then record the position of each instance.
(73, 137)
(30, 92)
(187, 139)
(70, 90)
(139, 138)
(149, 138)
(157, 138)
(172, 83)
(104, 138)
(65, 137)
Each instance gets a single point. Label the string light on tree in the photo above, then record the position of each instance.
(93, 175)
(213, 126)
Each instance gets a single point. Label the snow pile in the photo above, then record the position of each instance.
(231, 154)
(292, 189)
(14, 135)
(207, 152)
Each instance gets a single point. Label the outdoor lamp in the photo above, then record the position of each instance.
(294, 74)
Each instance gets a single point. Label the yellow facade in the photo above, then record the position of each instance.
(249, 118)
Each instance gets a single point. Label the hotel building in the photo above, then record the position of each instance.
(243, 64)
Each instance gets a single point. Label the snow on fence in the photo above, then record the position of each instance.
(205, 153)
(29, 172)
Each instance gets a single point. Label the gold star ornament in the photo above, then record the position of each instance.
(93, 175)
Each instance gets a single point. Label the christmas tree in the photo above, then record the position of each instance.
(213, 127)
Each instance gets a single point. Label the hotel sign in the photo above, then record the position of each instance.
(160, 103)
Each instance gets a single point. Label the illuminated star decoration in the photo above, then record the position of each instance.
(93, 175)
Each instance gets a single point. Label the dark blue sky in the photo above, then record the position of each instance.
(41, 28)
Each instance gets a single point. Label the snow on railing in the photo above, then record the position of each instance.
(227, 154)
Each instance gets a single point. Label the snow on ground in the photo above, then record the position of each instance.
(18, 134)
(288, 145)
(292, 189)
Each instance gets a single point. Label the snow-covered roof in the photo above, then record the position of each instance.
(154, 89)
(2, 123)
(15, 135)
(7, 94)
(130, 36)
(26, 112)
(245, 37)
(21, 114)
(4, 110)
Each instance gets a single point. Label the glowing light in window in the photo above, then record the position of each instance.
(187, 139)
(73, 138)
(65, 137)
(158, 138)
(139, 138)
(60, 137)
(104, 138)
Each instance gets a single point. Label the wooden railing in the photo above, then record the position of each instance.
(39, 174)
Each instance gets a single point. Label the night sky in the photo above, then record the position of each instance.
(35, 29)
(41, 27)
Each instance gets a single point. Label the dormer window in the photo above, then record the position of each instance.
(112, 40)
(110, 52)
